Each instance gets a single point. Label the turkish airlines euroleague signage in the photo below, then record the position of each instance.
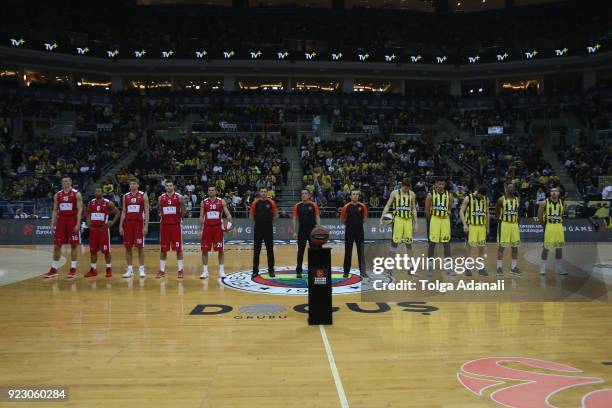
(36, 232)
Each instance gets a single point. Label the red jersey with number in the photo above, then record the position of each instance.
(98, 211)
(67, 203)
(213, 210)
(170, 209)
(133, 206)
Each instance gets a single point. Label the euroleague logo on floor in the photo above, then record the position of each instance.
(286, 283)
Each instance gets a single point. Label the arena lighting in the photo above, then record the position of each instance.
(255, 54)
(84, 82)
(520, 85)
(17, 42)
(140, 85)
(371, 88)
(561, 52)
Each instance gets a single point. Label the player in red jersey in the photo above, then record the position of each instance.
(134, 225)
(172, 210)
(66, 225)
(99, 225)
(211, 214)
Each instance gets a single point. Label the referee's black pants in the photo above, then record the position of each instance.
(263, 233)
(353, 236)
(303, 238)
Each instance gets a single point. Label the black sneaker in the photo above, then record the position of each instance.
(345, 275)
(272, 274)
(483, 272)
(500, 272)
(254, 274)
(298, 275)
(516, 271)
(468, 272)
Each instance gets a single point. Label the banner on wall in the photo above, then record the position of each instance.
(38, 232)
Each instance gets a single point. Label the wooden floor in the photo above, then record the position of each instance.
(134, 343)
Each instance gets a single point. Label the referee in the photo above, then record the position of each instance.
(263, 212)
(308, 214)
(353, 215)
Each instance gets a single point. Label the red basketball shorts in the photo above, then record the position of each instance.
(64, 231)
(171, 237)
(132, 234)
(99, 240)
(212, 238)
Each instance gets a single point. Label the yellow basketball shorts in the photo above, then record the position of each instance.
(508, 234)
(554, 236)
(477, 235)
(402, 230)
(439, 229)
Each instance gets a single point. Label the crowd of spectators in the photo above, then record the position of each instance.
(248, 118)
(500, 160)
(37, 165)
(585, 163)
(358, 120)
(374, 164)
(478, 121)
(237, 166)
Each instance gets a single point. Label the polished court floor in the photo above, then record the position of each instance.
(151, 343)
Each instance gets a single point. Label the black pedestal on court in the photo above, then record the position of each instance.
(319, 286)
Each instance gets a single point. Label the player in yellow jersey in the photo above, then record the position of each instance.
(508, 233)
(550, 215)
(474, 215)
(438, 205)
(405, 221)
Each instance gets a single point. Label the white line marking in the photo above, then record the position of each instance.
(332, 364)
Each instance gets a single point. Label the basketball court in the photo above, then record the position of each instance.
(239, 343)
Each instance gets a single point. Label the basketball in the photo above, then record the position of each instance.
(388, 218)
(319, 236)
(226, 226)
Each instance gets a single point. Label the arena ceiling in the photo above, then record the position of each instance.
(415, 5)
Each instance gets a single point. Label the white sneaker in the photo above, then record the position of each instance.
(542, 271)
(128, 274)
(142, 274)
(222, 274)
(562, 271)
(204, 275)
